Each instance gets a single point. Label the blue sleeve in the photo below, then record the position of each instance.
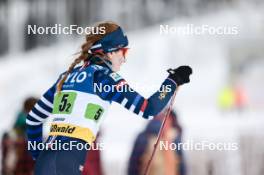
(117, 90)
(34, 122)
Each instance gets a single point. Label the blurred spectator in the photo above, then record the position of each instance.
(226, 99)
(166, 162)
(20, 123)
(92, 164)
(5, 145)
(16, 159)
(232, 98)
(240, 98)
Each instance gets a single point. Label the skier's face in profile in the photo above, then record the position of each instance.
(117, 58)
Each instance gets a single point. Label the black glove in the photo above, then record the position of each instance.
(180, 75)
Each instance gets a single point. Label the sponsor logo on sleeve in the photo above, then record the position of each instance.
(162, 95)
(116, 77)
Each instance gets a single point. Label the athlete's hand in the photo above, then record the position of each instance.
(180, 75)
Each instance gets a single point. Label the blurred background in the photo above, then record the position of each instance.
(223, 103)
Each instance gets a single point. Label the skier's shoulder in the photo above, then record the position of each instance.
(108, 75)
(72, 71)
(96, 67)
(93, 68)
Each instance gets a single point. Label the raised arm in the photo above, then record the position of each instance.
(121, 93)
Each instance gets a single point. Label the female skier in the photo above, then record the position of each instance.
(78, 105)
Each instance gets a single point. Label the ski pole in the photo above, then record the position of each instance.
(160, 132)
